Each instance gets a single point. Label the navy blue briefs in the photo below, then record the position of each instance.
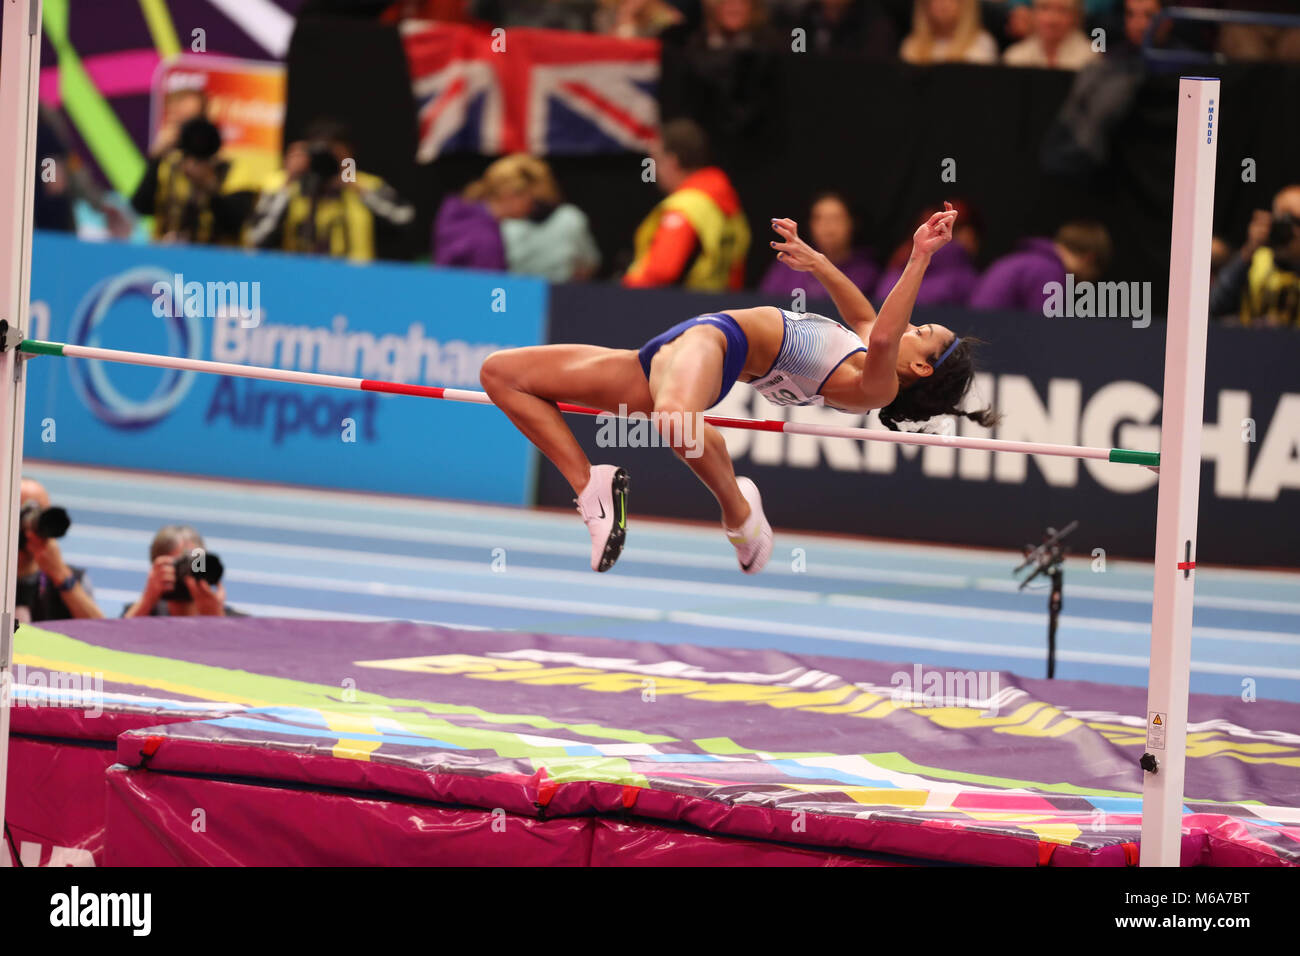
(732, 364)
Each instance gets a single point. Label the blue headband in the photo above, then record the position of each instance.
(948, 351)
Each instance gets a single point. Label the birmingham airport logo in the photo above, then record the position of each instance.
(90, 379)
(241, 335)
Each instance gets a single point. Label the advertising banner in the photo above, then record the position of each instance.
(245, 99)
(396, 323)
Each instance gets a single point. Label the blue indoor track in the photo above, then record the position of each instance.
(293, 552)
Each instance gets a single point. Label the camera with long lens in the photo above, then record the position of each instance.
(323, 169)
(209, 570)
(51, 522)
(1282, 231)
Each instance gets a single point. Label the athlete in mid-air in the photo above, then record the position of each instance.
(872, 361)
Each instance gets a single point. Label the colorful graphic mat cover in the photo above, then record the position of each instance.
(890, 757)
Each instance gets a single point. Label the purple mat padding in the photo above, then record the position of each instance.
(824, 753)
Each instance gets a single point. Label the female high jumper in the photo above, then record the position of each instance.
(879, 361)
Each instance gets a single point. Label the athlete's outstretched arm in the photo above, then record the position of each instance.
(879, 371)
(793, 252)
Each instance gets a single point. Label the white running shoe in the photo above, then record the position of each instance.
(603, 506)
(753, 541)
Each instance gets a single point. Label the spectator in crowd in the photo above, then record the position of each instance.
(321, 203)
(952, 275)
(1056, 40)
(728, 67)
(469, 229)
(1242, 41)
(843, 26)
(59, 187)
(948, 31)
(1102, 96)
(830, 228)
(1138, 15)
(53, 202)
(185, 189)
(635, 18)
(697, 236)
(179, 107)
(552, 239)
(161, 597)
(1261, 284)
(1016, 281)
(1010, 20)
(1019, 14)
(734, 25)
(48, 589)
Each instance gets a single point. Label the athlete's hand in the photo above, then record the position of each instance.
(793, 251)
(935, 232)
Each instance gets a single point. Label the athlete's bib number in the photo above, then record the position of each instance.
(785, 392)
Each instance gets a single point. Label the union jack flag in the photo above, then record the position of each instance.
(529, 90)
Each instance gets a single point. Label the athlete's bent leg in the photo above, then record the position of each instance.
(685, 378)
(745, 524)
(527, 383)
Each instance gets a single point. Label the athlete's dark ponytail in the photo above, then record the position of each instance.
(940, 393)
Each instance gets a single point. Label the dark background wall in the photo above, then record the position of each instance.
(877, 131)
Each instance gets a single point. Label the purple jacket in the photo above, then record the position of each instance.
(948, 281)
(781, 280)
(466, 234)
(1015, 282)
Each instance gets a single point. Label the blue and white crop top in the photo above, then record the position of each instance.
(812, 348)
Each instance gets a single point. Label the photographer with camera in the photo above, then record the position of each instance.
(1261, 284)
(184, 578)
(48, 588)
(320, 202)
(189, 190)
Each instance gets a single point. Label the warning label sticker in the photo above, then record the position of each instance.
(1156, 731)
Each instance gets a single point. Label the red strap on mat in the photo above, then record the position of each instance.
(150, 747)
(545, 788)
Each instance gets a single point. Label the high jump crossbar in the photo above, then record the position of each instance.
(1124, 455)
(1184, 394)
